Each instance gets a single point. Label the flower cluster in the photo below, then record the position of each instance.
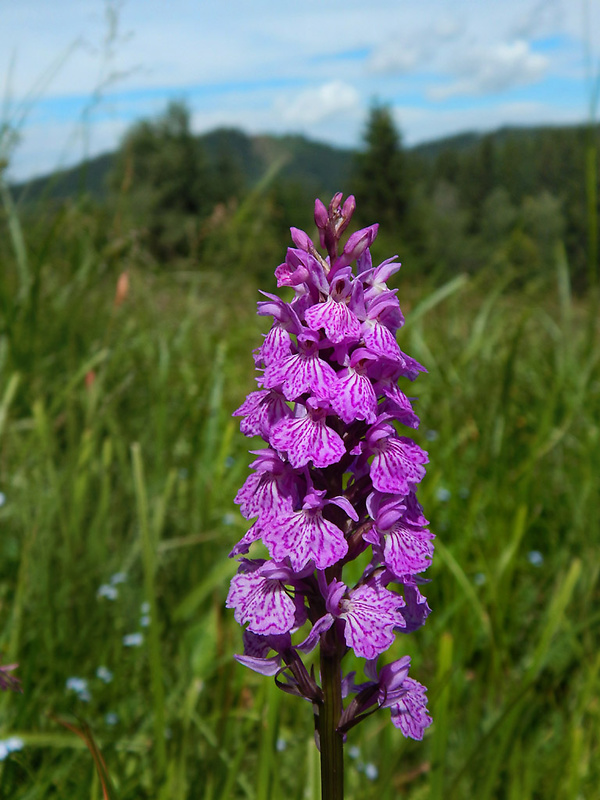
(335, 480)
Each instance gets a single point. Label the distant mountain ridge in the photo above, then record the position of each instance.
(320, 167)
(315, 165)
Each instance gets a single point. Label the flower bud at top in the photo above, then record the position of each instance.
(359, 241)
(301, 239)
(320, 214)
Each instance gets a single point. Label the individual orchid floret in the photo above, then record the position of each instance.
(260, 599)
(302, 372)
(398, 462)
(405, 697)
(339, 323)
(370, 615)
(262, 410)
(306, 536)
(272, 488)
(354, 396)
(308, 439)
(336, 480)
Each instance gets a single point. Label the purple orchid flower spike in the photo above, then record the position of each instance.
(338, 477)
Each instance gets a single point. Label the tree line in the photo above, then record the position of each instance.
(509, 199)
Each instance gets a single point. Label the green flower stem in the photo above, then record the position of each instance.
(332, 752)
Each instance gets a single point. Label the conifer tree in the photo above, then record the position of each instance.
(380, 175)
(161, 165)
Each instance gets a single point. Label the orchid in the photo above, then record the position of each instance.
(337, 478)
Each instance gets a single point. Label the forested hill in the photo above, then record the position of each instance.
(511, 198)
(323, 168)
(319, 167)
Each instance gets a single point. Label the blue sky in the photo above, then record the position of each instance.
(76, 73)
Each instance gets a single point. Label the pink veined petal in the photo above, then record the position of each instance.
(400, 406)
(370, 616)
(262, 409)
(407, 551)
(416, 610)
(261, 602)
(338, 322)
(263, 494)
(277, 345)
(306, 439)
(251, 403)
(304, 536)
(410, 713)
(397, 465)
(301, 373)
(253, 534)
(380, 340)
(354, 398)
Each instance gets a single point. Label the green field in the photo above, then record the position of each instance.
(119, 462)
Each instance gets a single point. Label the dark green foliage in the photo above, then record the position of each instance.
(453, 205)
(161, 169)
(380, 179)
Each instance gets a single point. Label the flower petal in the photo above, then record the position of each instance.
(307, 439)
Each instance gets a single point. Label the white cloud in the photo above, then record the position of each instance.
(313, 106)
(543, 17)
(492, 70)
(407, 50)
(274, 65)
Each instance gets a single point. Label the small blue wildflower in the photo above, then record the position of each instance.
(354, 752)
(111, 718)
(479, 579)
(145, 621)
(14, 743)
(145, 608)
(108, 591)
(118, 577)
(229, 462)
(535, 558)
(280, 745)
(133, 639)
(371, 772)
(80, 687)
(104, 674)
(431, 435)
(2, 499)
(443, 494)
(10, 745)
(228, 519)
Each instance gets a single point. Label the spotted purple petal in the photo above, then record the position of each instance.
(370, 615)
(300, 373)
(336, 319)
(261, 601)
(305, 536)
(261, 411)
(397, 465)
(307, 439)
(407, 551)
(409, 714)
(354, 398)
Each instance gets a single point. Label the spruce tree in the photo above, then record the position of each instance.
(380, 182)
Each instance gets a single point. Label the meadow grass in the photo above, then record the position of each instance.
(119, 461)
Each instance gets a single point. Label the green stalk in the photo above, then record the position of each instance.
(332, 753)
(149, 562)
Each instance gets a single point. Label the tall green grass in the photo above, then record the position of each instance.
(119, 457)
